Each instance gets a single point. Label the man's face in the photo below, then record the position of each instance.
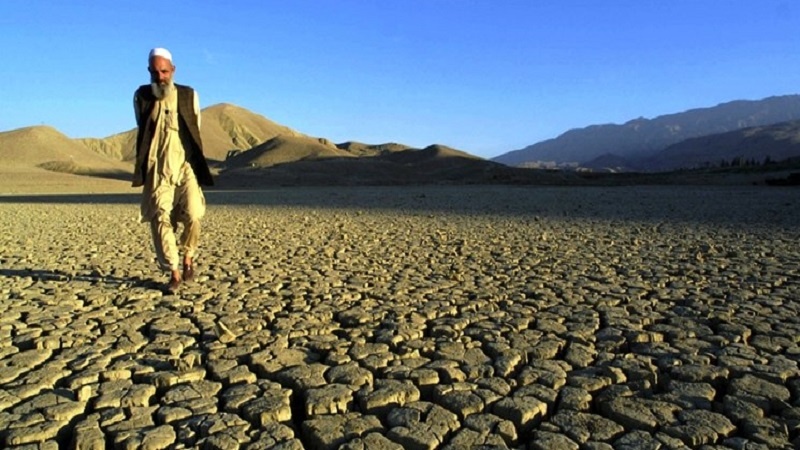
(161, 70)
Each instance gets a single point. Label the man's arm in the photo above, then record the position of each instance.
(197, 108)
(136, 109)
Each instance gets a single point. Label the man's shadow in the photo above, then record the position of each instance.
(91, 276)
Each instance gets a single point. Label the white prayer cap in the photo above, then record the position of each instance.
(162, 52)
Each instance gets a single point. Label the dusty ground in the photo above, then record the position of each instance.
(40, 181)
(447, 317)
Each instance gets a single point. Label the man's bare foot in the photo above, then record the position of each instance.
(174, 282)
(188, 269)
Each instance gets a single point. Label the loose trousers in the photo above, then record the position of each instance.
(177, 204)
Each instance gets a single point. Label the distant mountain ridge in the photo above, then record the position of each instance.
(247, 149)
(637, 142)
(775, 142)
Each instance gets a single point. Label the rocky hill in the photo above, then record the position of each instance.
(44, 147)
(285, 149)
(641, 139)
(41, 159)
(229, 127)
(224, 128)
(120, 146)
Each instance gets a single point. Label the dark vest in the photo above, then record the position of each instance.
(188, 131)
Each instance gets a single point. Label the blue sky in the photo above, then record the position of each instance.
(483, 76)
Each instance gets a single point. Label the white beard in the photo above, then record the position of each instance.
(162, 90)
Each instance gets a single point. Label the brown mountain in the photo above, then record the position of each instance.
(439, 162)
(286, 149)
(41, 159)
(119, 146)
(27, 148)
(224, 127)
(228, 127)
(433, 154)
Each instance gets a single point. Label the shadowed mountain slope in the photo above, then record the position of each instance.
(643, 138)
(361, 149)
(293, 161)
(432, 154)
(285, 149)
(775, 142)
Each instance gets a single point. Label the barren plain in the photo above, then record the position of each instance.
(447, 317)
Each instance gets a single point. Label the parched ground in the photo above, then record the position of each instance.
(419, 318)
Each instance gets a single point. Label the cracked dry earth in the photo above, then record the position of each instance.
(415, 318)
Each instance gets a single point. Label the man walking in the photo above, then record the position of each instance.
(170, 166)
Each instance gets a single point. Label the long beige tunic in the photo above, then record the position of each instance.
(167, 164)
